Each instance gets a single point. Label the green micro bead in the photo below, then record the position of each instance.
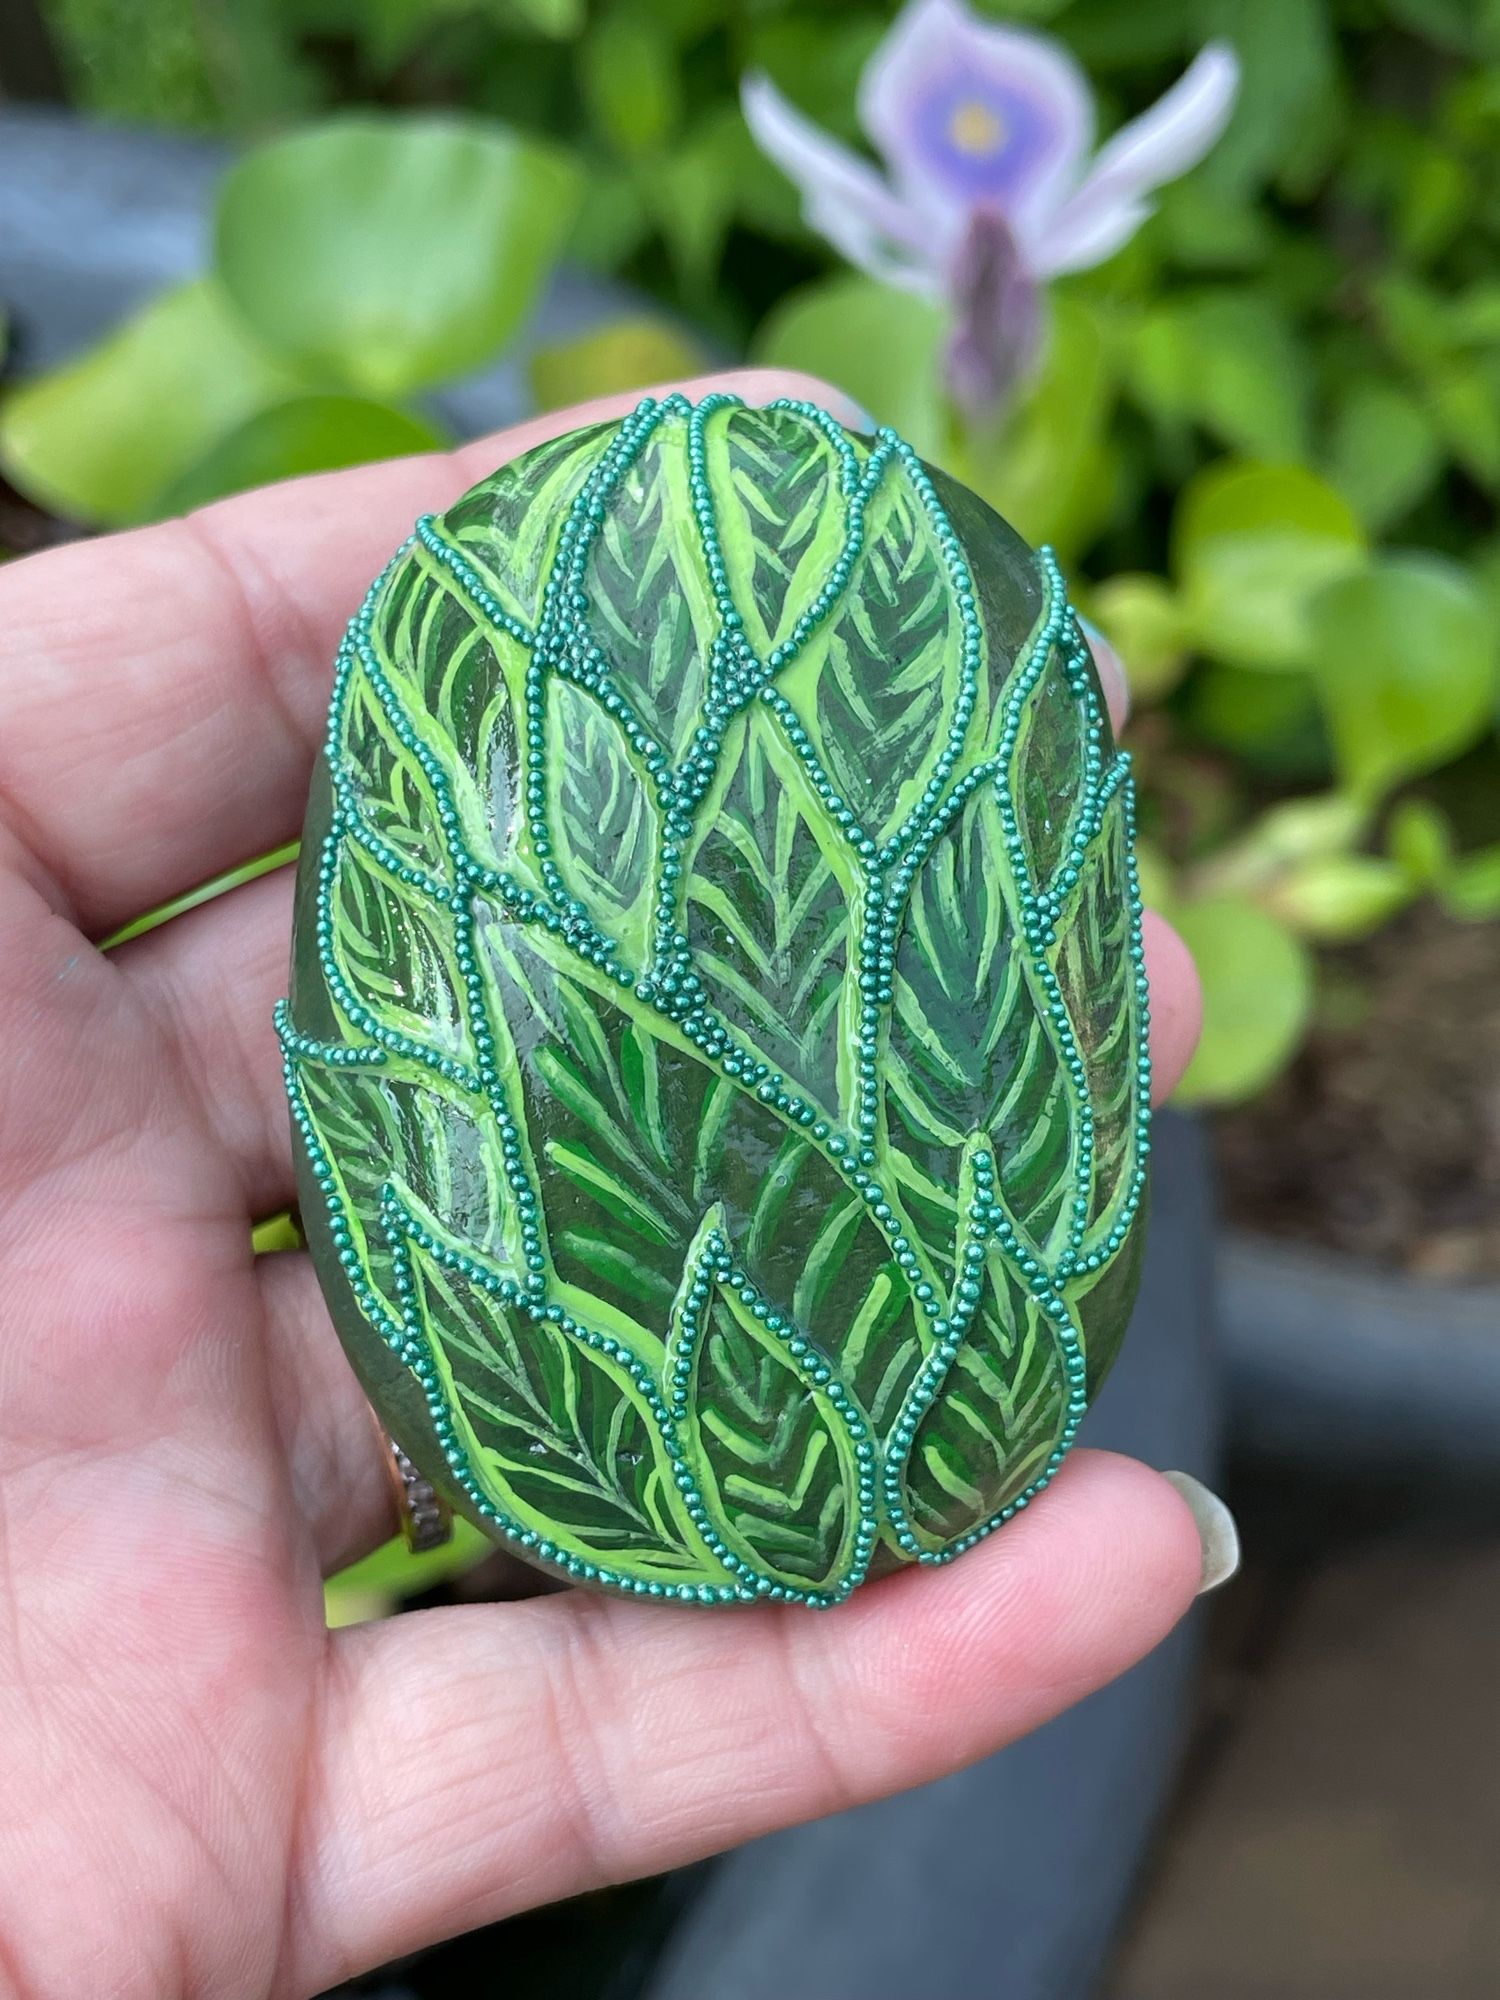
(645, 1022)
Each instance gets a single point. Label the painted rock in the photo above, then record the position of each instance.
(717, 1040)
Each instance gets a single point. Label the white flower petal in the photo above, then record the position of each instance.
(1077, 243)
(843, 197)
(939, 61)
(1156, 147)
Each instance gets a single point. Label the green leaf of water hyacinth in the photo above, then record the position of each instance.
(385, 254)
(98, 441)
(717, 1040)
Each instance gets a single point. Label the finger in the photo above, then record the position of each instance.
(1111, 671)
(165, 690)
(213, 976)
(340, 1484)
(478, 1761)
(1176, 1004)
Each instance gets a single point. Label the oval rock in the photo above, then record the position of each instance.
(717, 1041)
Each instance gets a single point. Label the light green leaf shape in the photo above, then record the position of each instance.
(1000, 1417)
(304, 434)
(1257, 996)
(1334, 898)
(1471, 892)
(384, 254)
(1251, 547)
(1385, 452)
(1404, 658)
(781, 1463)
(1141, 618)
(1225, 360)
(881, 346)
(769, 918)
(561, 1433)
(613, 360)
(717, 1040)
(104, 438)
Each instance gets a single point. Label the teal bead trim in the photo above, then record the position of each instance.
(853, 1140)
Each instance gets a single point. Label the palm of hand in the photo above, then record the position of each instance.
(209, 1794)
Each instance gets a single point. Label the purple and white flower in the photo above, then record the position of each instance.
(989, 188)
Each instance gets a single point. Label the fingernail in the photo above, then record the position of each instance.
(1218, 1537)
(859, 418)
(1091, 631)
(1107, 660)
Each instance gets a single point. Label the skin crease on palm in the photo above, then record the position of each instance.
(206, 1792)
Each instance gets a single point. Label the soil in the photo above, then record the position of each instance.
(24, 527)
(1383, 1139)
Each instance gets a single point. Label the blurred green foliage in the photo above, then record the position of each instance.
(1266, 437)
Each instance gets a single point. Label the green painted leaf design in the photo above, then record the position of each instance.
(970, 1047)
(764, 1418)
(717, 1037)
(651, 612)
(987, 1438)
(559, 1433)
(780, 515)
(768, 916)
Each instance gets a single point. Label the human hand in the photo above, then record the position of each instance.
(207, 1792)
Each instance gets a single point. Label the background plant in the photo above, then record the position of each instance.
(1267, 432)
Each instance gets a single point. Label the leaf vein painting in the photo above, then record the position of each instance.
(717, 1045)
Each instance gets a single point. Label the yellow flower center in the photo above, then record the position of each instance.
(974, 128)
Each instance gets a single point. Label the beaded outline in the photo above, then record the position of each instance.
(670, 988)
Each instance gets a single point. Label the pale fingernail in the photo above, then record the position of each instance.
(1108, 661)
(1218, 1536)
(1091, 630)
(859, 418)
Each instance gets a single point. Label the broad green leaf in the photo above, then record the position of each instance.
(1252, 545)
(1142, 620)
(1335, 897)
(696, 189)
(1385, 452)
(1272, 724)
(1289, 62)
(308, 434)
(103, 438)
(559, 19)
(1289, 835)
(627, 354)
(1229, 362)
(1420, 840)
(1471, 889)
(1465, 401)
(1257, 995)
(880, 346)
(627, 70)
(386, 254)
(1405, 661)
(717, 1041)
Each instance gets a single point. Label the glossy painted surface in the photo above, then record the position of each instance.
(717, 1038)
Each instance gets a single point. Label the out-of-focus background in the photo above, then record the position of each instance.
(242, 239)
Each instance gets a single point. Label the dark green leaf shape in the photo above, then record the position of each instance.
(717, 1037)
